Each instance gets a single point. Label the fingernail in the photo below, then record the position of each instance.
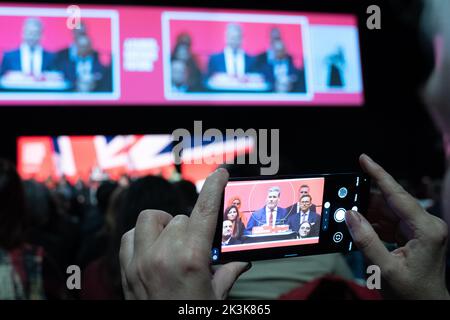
(352, 218)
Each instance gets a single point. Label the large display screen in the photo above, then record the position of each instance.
(129, 55)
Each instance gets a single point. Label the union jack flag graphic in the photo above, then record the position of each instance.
(109, 157)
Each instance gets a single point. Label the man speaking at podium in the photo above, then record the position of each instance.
(232, 60)
(270, 214)
(30, 58)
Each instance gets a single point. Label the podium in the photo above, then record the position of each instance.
(52, 81)
(269, 233)
(249, 83)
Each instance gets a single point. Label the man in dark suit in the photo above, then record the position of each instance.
(232, 60)
(303, 191)
(301, 212)
(70, 53)
(270, 214)
(30, 58)
(227, 234)
(180, 78)
(266, 58)
(279, 69)
(84, 70)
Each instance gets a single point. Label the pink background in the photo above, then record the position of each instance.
(146, 88)
(56, 35)
(253, 197)
(142, 87)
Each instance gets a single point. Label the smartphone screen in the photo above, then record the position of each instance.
(268, 218)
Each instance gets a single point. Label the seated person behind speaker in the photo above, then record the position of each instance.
(284, 75)
(304, 230)
(267, 57)
(71, 51)
(232, 60)
(84, 70)
(295, 208)
(232, 213)
(235, 201)
(30, 58)
(270, 214)
(227, 234)
(301, 212)
(278, 68)
(304, 190)
(180, 77)
(183, 51)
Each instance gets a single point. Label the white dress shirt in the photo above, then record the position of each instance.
(31, 60)
(225, 243)
(84, 68)
(280, 69)
(234, 62)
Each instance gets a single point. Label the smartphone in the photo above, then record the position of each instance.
(278, 217)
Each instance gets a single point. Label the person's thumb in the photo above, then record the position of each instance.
(366, 239)
(226, 276)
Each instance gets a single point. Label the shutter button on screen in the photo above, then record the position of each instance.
(339, 215)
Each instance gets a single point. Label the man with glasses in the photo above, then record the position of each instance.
(304, 191)
(302, 212)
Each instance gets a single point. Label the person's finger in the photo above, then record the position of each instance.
(367, 240)
(149, 226)
(226, 275)
(176, 228)
(400, 201)
(125, 256)
(132, 286)
(203, 219)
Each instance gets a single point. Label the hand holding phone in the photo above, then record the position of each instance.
(167, 257)
(267, 218)
(177, 250)
(416, 268)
